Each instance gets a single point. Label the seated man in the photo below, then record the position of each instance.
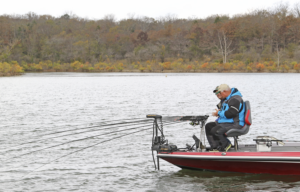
(211, 138)
(231, 116)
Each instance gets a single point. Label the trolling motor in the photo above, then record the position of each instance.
(159, 143)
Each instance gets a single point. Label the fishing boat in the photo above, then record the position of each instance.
(266, 155)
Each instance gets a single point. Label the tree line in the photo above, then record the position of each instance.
(261, 40)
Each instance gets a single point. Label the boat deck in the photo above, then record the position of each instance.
(288, 147)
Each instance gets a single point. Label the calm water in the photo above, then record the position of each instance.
(36, 104)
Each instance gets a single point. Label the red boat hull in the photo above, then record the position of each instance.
(279, 163)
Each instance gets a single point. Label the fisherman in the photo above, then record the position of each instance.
(230, 116)
(212, 138)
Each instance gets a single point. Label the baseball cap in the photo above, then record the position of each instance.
(223, 87)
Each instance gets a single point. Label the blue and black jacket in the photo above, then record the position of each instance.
(232, 110)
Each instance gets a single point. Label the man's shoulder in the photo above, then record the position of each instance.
(235, 99)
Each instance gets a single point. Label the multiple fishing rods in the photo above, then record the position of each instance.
(81, 140)
(104, 123)
(81, 150)
(99, 124)
(102, 126)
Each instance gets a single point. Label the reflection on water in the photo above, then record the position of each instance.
(40, 103)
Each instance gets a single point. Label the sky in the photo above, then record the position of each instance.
(122, 9)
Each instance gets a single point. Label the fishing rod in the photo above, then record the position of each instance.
(91, 127)
(75, 141)
(82, 149)
(131, 123)
(134, 122)
(87, 148)
(89, 123)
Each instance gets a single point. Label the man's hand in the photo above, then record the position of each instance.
(215, 113)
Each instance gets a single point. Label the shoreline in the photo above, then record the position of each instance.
(165, 71)
(138, 71)
(145, 72)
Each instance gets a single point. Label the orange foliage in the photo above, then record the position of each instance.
(297, 67)
(227, 66)
(189, 67)
(167, 65)
(241, 66)
(204, 66)
(260, 67)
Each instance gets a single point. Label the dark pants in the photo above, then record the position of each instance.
(215, 133)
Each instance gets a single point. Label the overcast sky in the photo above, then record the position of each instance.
(93, 9)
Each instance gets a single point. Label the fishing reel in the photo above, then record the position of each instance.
(198, 120)
(194, 123)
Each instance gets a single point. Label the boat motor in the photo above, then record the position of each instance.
(161, 145)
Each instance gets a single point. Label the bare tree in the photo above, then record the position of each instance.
(223, 45)
(279, 54)
(296, 10)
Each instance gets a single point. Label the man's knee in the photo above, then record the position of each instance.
(218, 130)
(214, 130)
(210, 125)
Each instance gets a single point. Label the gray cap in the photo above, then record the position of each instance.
(223, 87)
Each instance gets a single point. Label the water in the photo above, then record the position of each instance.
(40, 103)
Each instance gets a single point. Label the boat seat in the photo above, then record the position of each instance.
(243, 131)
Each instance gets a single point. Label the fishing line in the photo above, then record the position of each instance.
(62, 126)
(131, 123)
(101, 122)
(11, 148)
(87, 148)
(82, 149)
(93, 127)
(74, 141)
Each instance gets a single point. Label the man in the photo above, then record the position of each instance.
(219, 96)
(230, 116)
(212, 138)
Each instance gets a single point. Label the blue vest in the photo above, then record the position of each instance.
(240, 118)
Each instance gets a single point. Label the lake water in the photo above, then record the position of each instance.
(36, 104)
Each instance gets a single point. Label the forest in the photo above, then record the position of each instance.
(265, 40)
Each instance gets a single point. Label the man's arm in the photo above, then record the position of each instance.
(234, 107)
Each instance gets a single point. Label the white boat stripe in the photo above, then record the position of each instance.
(259, 161)
(229, 157)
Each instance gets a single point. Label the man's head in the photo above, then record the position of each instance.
(217, 94)
(224, 90)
